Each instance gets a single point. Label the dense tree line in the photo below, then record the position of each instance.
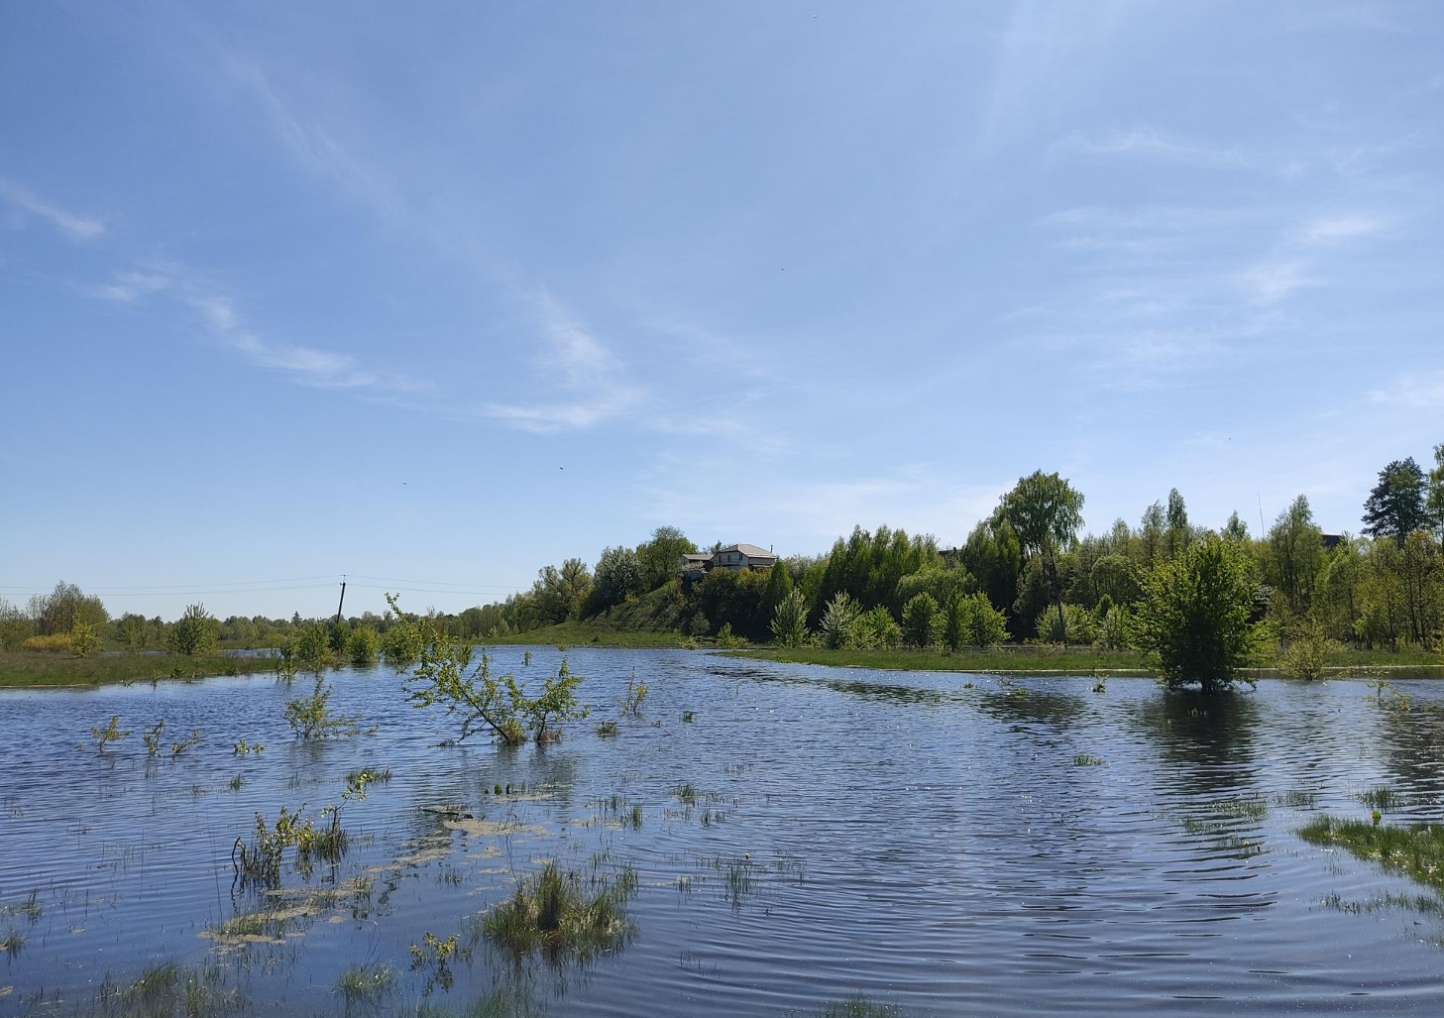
(1024, 574)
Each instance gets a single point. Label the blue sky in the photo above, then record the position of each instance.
(442, 293)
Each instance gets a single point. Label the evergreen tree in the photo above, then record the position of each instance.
(1395, 508)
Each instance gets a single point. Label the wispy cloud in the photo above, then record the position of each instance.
(1148, 143)
(303, 365)
(582, 368)
(1337, 228)
(1273, 280)
(1423, 390)
(74, 226)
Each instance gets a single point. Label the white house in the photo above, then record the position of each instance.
(734, 556)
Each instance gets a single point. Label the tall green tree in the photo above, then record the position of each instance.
(1396, 506)
(1434, 503)
(779, 585)
(618, 576)
(922, 621)
(1295, 552)
(661, 555)
(1195, 615)
(195, 632)
(789, 621)
(1045, 511)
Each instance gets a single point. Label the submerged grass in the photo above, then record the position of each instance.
(20, 669)
(1416, 851)
(552, 913)
(365, 983)
(859, 1007)
(169, 989)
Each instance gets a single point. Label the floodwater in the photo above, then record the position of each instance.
(1025, 848)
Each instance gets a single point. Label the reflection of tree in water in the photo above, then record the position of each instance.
(1414, 741)
(1214, 731)
(1020, 705)
(854, 687)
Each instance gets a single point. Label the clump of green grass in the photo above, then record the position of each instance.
(365, 983)
(1381, 798)
(607, 729)
(860, 1007)
(11, 942)
(686, 794)
(636, 817)
(369, 775)
(1085, 760)
(169, 989)
(1297, 798)
(688, 717)
(236, 782)
(1416, 851)
(29, 908)
(552, 913)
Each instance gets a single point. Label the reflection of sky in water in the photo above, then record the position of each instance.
(956, 850)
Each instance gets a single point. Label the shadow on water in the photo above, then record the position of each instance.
(886, 691)
(1031, 706)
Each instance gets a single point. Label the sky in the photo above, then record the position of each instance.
(433, 295)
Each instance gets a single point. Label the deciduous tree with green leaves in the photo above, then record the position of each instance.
(195, 633)
(1195, 615)
(789, 622)
(1045, 511)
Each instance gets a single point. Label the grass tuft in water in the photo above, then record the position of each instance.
(1417, 851)
(1084, 760)
(1381, 798)
(607, 729)
(365, 983)
(1296, 798)
(552, 913)
(859, 1007)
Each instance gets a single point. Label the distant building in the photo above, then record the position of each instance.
(734, 556)
(1332, 541)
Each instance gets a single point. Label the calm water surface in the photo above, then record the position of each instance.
(1022, 849)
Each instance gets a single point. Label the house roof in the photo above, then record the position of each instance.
(696, 558)
(750, 550)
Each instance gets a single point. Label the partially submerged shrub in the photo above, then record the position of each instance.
(311, 717)
(110, 733)
(362, 646)
(494, 704)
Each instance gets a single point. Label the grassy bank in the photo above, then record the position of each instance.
(1045, 660)
(1417, 851)
(26, 670)
(582, 634)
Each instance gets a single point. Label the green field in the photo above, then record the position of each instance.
(29, 670)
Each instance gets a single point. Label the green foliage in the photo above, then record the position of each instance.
(869, 566)
(485, 702)
(552, 912)
(1076, 625)
(195, 633)
(779, 585)
(15, 627)
(1045, 511)
(313, 648)
(1396, 506)
(1195, 615)
(1417, 852)
(84, 639)
(838, 621)
(635, 695)
(558, 594)
(922, 622)
(1295, 550)
(362, 646)
(402, 644)
(972, 621)
(1307, 652)
(789, 621)
(152, 737)
(876, 630)
(109, 734)
(660, 556)
(134, 632)
(735, 598)
(618, 575)
(311, 717)
(57, 613)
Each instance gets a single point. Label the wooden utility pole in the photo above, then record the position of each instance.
(342, 601)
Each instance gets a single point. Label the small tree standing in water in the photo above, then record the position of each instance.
(485, 702)
(1195, 615)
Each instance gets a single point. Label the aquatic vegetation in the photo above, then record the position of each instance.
(859, 1007)
(169, 989)
(152, 737)
(636, 693)
(242, 748)
(1249, 807)
(311, 717)
(365, 983)
(29, 908)
(433, 955)
(190, 742)
(688, 717)
(739, 879)
(526, 659)
(686, 794)
(109, 734)
(1084, 760)
(607, 729)
(1296, 798)
(261, 859)
(368, 776)
(636, 817)
(1416, 851)
(236, 782)
(11, 941)
(551, 913)
(1381, 798)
